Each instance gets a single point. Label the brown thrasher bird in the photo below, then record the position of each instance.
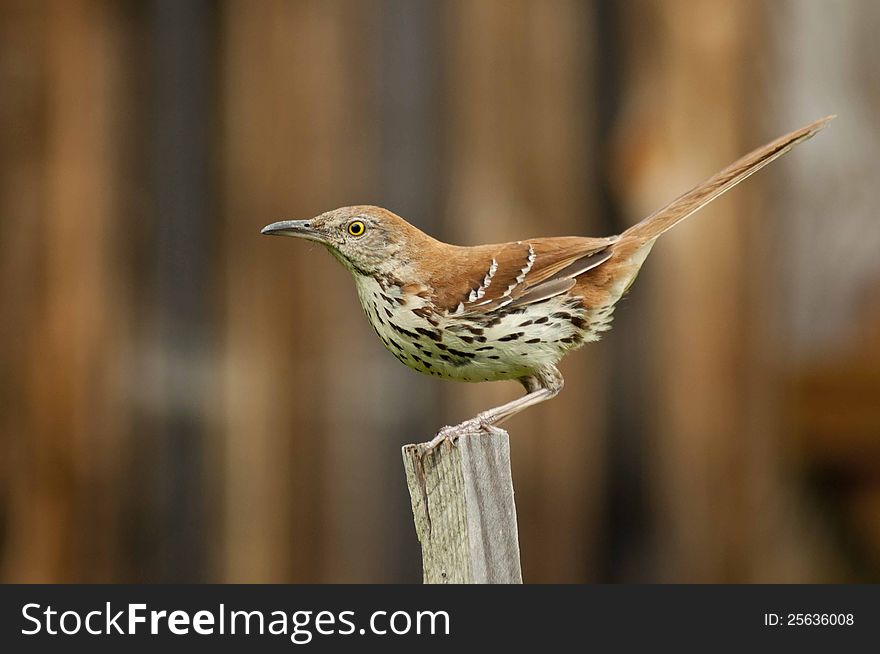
(505, 311)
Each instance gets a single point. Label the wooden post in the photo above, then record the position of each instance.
(462, 502)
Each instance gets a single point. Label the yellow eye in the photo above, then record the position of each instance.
(356, 228)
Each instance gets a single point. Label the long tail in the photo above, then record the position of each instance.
(606, 284)
(702, 194)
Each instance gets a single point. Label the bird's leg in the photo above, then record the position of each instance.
(543, 385)
(489, 419)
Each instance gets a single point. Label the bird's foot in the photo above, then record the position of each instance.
(451, 433)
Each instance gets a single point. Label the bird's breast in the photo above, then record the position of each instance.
(492, 346)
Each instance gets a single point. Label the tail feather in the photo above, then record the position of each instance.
(604, 285)
(698, 197)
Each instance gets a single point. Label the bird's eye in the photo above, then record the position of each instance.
(356, 228)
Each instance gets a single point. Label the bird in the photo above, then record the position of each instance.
(506, 311)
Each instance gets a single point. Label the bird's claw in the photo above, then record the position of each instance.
(446, 435)
(451, 433)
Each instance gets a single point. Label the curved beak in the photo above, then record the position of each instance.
(298, 228)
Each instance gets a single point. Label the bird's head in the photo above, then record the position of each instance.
(367, 240)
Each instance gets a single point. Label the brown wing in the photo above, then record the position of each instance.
(483, 278)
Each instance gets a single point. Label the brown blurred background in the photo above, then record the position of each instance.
(184, 400)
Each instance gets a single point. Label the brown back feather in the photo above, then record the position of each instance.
(599, 269)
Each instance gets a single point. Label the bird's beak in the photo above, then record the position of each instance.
(298, 228)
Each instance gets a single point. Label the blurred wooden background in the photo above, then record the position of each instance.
(182, 400)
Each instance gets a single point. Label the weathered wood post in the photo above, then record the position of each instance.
(465, 517)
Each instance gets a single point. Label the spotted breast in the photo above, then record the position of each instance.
(511, 314)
